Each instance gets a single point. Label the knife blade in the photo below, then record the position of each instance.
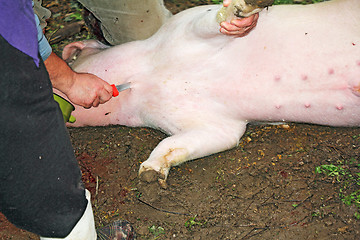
(119, 88)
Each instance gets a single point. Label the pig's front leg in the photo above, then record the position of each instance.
(189, 145)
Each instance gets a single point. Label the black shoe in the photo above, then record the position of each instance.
(118, 230)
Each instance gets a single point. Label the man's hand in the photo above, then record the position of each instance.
(89, 91)
(238, 27)
(83, 89)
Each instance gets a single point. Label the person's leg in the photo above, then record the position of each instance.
(127, 20)
(40, 181)
(84, 228)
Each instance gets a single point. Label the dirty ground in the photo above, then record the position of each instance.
(266, 188)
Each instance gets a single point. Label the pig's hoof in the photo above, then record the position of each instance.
(151, 175)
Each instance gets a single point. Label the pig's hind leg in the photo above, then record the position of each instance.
(189, 145)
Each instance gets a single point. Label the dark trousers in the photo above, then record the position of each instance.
(40, 180)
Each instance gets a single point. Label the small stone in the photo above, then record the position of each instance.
(343, 229)
(328, 223)
(143, 230)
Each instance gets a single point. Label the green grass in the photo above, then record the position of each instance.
(192, 222)
(347, 174)
(156, 231)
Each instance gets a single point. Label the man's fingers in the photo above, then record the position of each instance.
(239, 27)
(245, 22)
(108, 88)
(105, 96)
(240, 33)
(96, 102)
(229, 27)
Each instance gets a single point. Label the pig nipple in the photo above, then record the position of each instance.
(339, 107)
(304, 77)
(307, 105)
(331, 71)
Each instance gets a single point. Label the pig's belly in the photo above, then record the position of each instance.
(204, 97)
(306, 73)
(260, 85)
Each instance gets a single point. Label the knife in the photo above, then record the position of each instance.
(119, 88)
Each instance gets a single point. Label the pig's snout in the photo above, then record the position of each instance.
(242, 8)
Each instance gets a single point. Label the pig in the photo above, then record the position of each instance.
(300, 64)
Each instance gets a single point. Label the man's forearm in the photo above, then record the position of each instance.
(61, 75)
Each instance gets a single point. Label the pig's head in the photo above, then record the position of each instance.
(242, 8)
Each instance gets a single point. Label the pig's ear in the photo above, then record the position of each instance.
(72, 50)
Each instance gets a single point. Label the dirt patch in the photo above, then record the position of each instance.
(266, 188)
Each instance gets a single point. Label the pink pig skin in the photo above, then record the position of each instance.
(300, 64)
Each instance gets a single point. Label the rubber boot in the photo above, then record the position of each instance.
(85, 227)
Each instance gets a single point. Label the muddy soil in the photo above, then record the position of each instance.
(266, 188)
